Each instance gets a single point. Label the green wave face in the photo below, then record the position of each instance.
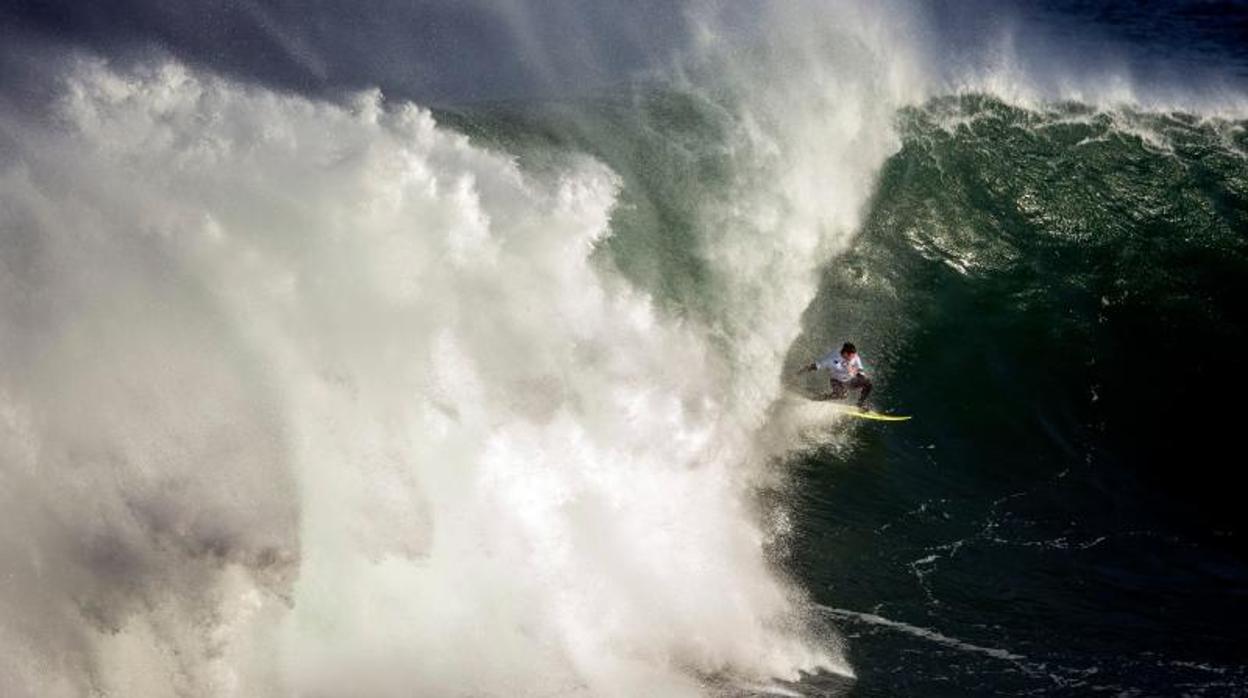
(1090, 263)
(1058, 297)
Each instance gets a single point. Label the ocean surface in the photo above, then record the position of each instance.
(352, 385)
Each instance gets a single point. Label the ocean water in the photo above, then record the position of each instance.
(1065, 323)
(329, 392)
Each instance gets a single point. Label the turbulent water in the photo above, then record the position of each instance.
(356, 397)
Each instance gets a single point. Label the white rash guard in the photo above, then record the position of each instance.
(841, 369)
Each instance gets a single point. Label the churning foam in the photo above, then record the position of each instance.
(324, 400)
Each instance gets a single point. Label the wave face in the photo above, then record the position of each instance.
(1056, 293)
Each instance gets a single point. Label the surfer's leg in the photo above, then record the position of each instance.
(838, 389)
(865, 384)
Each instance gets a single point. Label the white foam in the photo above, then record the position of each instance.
(341, 403)
(925, 634)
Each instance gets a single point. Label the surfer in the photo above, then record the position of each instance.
(847, 372)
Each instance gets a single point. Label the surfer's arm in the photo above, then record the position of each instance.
(826, 362)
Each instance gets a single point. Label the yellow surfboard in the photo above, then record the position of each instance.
(854, 411)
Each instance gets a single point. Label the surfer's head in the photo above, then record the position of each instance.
(848, 350)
